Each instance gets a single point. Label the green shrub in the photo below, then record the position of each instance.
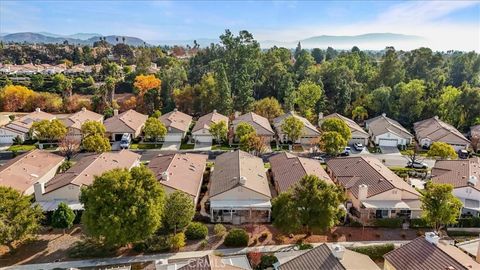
(196, 231)
(473, 222)
(219, 230)
(156, 243)
(461, 233)
(236, 238)
(355, 223)
(90, 248)
(177, 241)
(304, 246)
(375, 252)
(388, 222)
(418, 223)
(267, 261)
(203, 244)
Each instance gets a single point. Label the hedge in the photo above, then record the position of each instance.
(418, 223)
(375, 252)
(473, 222)
(236, 238)
(389, 222)
(196, 231)
(461, 233)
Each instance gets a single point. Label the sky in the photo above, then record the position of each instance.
(444, 24)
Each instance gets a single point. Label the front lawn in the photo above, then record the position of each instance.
(187, 146)
(18, 148)
(143, 146)
(224, 147)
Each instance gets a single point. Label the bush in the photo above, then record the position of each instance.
(389, 222)
(418, 223)
(177, 241)
(219, 230)
(375, 252)
(473, 222)
(90, 248)
(304, 246)
(196, 231)
(155, 243)
(236, 238)
(461, 233)
(355, 223)
(267, 261)
(203, 244)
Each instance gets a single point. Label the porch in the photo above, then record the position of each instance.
(238, 212)
(388, 209)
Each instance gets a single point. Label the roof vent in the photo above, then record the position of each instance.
(338, 251)
(165, 176)
(432, 237)
(472, 180)
(243, 180)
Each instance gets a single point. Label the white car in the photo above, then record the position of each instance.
(320, 159)
(417, 165)
(125, 141)
(358, 146)
(346, 151)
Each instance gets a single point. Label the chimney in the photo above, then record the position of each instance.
(39, 189)
(436, 117)
(215, 111)
(338, 251)
(165, 176)
(38, 110)
(115, 112)
(84, 109)
(175, 110)
(236, 114)
(384, 114)
(432, 237)
(362, 192)
(242, 180)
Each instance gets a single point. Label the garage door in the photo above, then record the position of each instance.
(6, 139)
(173, 137)
(388, 142)
(206, 138)
(357, 140)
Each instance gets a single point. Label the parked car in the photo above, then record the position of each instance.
(417, 165)
(320, 159)
(346, 151)
(358, 146)
(125, 141)
(463, 154)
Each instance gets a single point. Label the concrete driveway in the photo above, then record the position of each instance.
(171, 146)
(389, 150)
(203, 146)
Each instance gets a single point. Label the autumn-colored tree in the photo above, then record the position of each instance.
(253, 143)
(268, 107)
(69, 146)
(49, 102)
(442, 150)
(255, 258)
(128, 104)
(143, 83)
(15, 98)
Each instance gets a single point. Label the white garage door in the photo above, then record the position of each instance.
(173, 137)
(204, 138)
(388, 142)
(6, 139)
(357, 140)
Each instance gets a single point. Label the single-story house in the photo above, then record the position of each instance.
(183, 172)
(65, 187)
(200, 131)
(23, 171)
(435, 130)
(20, 127)
(130, 122)
(177, 124)
(326, 256)
(385, 131)
(75, 121)
(287, 170)
(428, 252)
(358, 134)
(464, 175)
(374, 190)
(259, 123)
(239, 190)
(309, 131)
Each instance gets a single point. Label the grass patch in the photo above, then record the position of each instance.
(17, 148)
(187, 146)
(375, 252)
(143, 146)
(224, 147)
(267, 165)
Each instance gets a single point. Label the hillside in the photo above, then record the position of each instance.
(80, 38)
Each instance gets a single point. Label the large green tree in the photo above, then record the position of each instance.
(268, 107)
(440, 207)
(90, 128)
(308, 95)
(392, 71)
(49, 130)
(154, 129)
(219, 131)
(18, 217)
(442, 150)
(337, 125)
(123, 206)
(332, 142)
(293, 128)
(311, 204)
(243, 128)
(179, 211)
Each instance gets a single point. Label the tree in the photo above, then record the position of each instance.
(18, 217)
(49, 130)
(268, 107)
(96, 143)
(332, 142)
(409, 101)
(337, 125)
(63, 217)
(15, 98)
(253, 143)
(63, 85)
(378, 101)
(143, 83)
(244, 128)
(179, 211)
(219, 131)
(154, 129)
(224, 102)
(293, 128)
(359, 113)
(310, 204)
(391, 68)
(69, 147)
(91, 128)
(440, 207)
(122, 207)
(302, 63)
(308, 95)
(442, 150)
(318, 55)
(448, 104)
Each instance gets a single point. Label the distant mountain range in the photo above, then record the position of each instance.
(374, 41)
(79, 38)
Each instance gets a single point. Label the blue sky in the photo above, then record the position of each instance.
(454, 24)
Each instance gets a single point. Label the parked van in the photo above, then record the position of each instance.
(125, 141)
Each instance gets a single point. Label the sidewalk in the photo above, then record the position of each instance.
(179, 255)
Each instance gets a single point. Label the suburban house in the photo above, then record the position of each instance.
(75, 121)
(464, 175)
(177, 124)
(385, 131)
(183, 172)
(65, 187)
(207, 262)
(435, 130)
(259, 123)
(239, 190)
(130, 122)
(374, 191)
(20, 127)
(428, 252)
(200, 131)
(23, 171)
(288, 169)
(309, 131)
(358, 134)
(323, 257)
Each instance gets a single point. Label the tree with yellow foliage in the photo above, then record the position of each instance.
(143, 83)
(15, 98)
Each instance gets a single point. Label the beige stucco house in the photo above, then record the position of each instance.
(259, 123)
(435, 130)
(200, 131)
(75, 121)
(177, 124)
(309, 131)
(358, 134)
(130, 122)
(20, 127)
(385, 131)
